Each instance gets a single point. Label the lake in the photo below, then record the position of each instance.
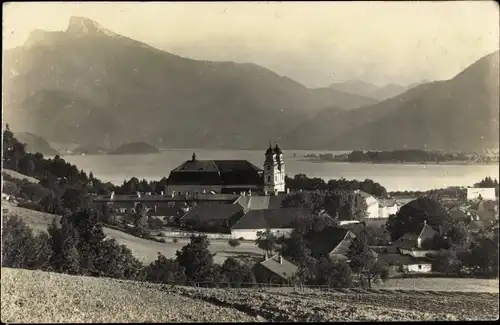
(117, 168)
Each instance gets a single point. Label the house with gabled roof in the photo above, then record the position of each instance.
(260, 202)
(220, 213)
(405, 263)
(334, 242)
(279, 221)
(274, 269)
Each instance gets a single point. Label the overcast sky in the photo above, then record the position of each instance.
(315, 43)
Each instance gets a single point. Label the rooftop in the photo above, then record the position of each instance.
(398, 259)
(166, 198)
(285, 269)
(270, 218)
(328, 240)
(213, 211)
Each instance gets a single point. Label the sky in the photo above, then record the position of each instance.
(314, 43)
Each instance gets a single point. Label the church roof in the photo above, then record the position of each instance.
(270, 218)
(216, 172)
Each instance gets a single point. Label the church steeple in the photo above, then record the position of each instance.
(274, 170)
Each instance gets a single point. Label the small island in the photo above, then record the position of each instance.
(407, 156)
(134, 148)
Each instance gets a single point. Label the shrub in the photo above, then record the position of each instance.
(20, 248)
(233, 242)
(117, 261)
(162, 240)
(30, 205)
(241, 239)
(164, 270)
(175, 240)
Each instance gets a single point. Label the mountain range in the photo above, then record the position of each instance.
(362, 88)
(457, 114)
(87, 85)
(90, 86)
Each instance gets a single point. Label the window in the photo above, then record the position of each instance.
(269, 178)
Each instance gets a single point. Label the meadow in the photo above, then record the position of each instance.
(43, 297)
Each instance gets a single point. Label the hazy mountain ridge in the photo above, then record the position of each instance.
(358, 87)
(35, 144)
(456, 114)
(91, 86)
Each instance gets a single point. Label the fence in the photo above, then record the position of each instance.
(180, 234)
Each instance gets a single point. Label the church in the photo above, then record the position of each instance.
(195, 176)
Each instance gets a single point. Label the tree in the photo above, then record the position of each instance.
(140, 220)
(336, 274)
(457, 235)
(75, 199)
(63, 241)
(410, 218)
(295, 248)
(164, 270)
(267, 241)
(446, 261)
(51, 203)
(364, 262)
(20, 248)
(196, 259)
(237, 273)
(117, 261)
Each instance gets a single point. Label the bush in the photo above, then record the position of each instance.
(241, 239)
(233, 242)
(117, 261)
(175, 240)
(164, 270)
(20, 248)
(30, 205)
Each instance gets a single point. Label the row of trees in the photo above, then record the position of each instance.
(338, 203)
(302, 182)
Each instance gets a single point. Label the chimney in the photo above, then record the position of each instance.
(249, 192)
(280, 259)
(173, 194)
(138, 194)
(419, 242)
(162, 193)
(425, 223)
(112, 195)
(265, 256)
(265, 192)
(287, 191)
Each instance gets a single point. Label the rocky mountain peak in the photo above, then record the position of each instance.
(85, 26)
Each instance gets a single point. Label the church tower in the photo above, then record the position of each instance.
(274, 171)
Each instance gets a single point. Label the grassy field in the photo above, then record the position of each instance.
(442, 284)
(35, 296)
(145, 250)
(42, 297)
(19, 176)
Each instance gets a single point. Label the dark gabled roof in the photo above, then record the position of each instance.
(212, 211)
(284, 270)
(398, 259)
(427, 232)
(261, 202)
(216, 172)
(407, 241)
(330, 239)
(270, 218)
(166, 212)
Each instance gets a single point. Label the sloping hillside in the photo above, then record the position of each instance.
(35, 144)
(88, 86)
(358, 87)
(456, 114)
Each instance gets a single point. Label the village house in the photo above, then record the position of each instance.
(387, 207)
(334, 242)
(413, 244)
(474, 193)
(274, 269)
(279, 221)
(372, 204)
(217, 213)
(405, 263)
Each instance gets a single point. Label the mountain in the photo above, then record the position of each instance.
(358, 87)
(90, 86)
(457, 114)
(35, 143)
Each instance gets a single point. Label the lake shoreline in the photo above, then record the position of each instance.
(446, 163)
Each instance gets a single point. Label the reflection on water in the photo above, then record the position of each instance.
(117, 168)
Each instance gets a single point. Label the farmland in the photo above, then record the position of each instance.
(35, 296)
